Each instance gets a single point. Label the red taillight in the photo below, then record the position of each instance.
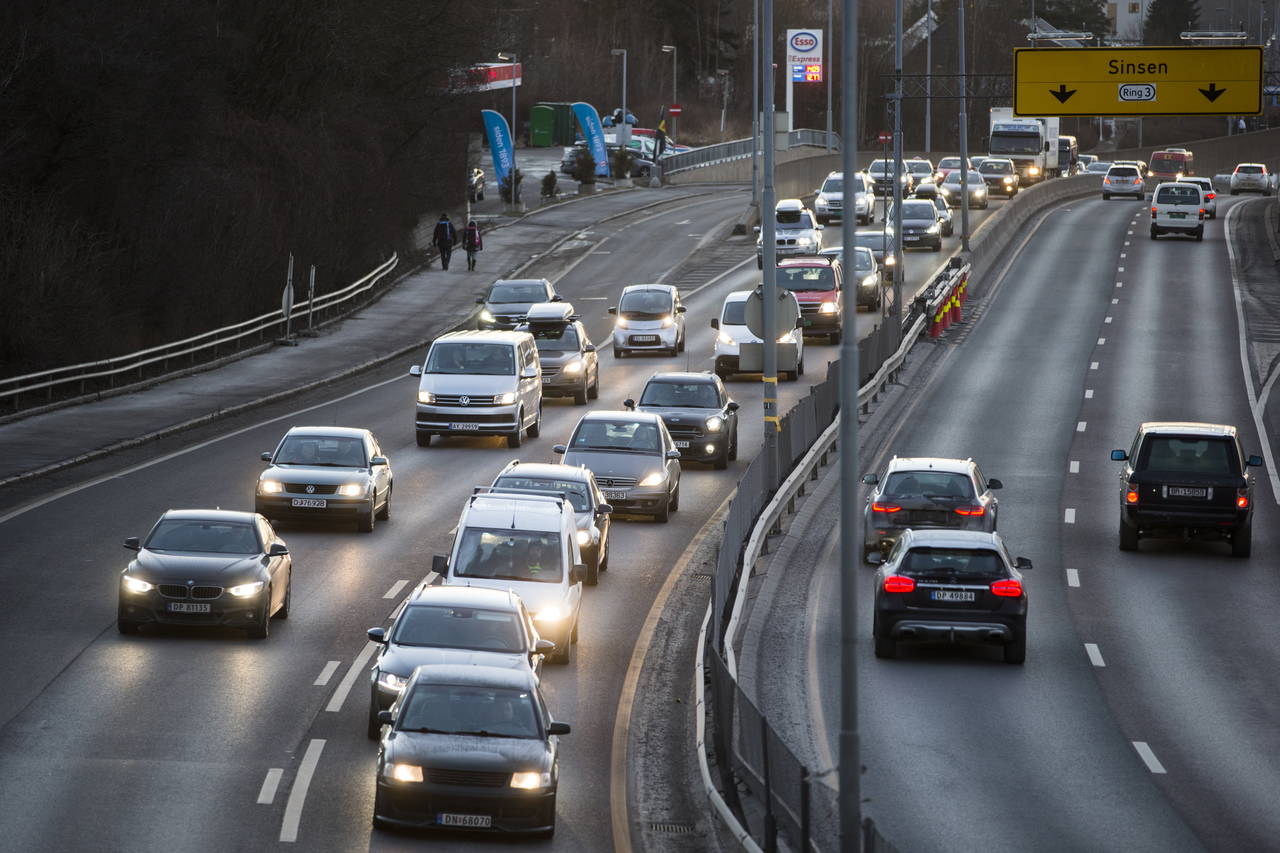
(1211, 195)
(1153, 211)
(1131, 496)
(1008, 588)
(971, 510)
(879, 507)
(897, 583)
(1106, 180)
(1242, 501)
(1202, 213)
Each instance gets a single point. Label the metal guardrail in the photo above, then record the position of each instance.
(739, 149)
(89, 376)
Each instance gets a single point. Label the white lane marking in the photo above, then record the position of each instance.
(349, 680)
(1075, 466)
(1102, 341)
(1095, 654)
(426, 581)
(1070, 515)
(325, 674)
(1148, 757)
(1256, 406)
(1093, 365)
(1088, 393)
(267, 793)
(298, 793)
(1126, 242)
(1119, 269)
(599, 252)
(1073, 577)
(395, 589)
(1115, 301)
(1080, 425)
(1119, 284)
(1107, 320)
(1124, 254)
(1130, 234)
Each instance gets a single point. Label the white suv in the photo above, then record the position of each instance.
(798, 231)
(1177, 208)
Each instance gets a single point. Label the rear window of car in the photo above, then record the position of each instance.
(1249, 170)
(1123, 172)
(1188, 455)
(960, 563)
(943, 484)
(1178, 195)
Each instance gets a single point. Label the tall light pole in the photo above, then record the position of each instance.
(830, 36)
(723, 74)
(511, 57)
(671, 49)
(624, 132)
(769, 246)
(964, 134)
(898, 270)
(928, 78)
(755, 104)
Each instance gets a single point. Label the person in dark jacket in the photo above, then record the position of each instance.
(444, 238)
(472, 242)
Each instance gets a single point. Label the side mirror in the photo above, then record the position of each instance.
(800, 322)
(544, 647)
(589, 348)
(1022, 564)
(559, 448)
(715, 322)
(479, 300)
(378, 460)
(132, 543)
(871, 479)
(386, 718)
(265, 456)
(680, 309)
(673, 454)
(557, 298)
(604, 509)
(732, 406)
(415, 370)
(875, 558)
(578, 574)
(756, 229)
(530, 371)
(993, 483)
(440, 564)
(278, 549)
(1119, 456)
(1254, 461)
(378, 635)
(613, 309)
(629, 403)
(819, 228)
(558, 729)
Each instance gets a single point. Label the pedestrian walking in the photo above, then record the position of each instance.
(472, 242)
(444, 238)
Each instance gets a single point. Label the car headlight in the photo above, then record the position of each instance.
(668, 321)
(531, 780)
(572, 368)
(827, 308)
(504, 399)
(271, 487)
(426, 397)
(785, 338)
(715, 423)
(245, 590)
(403, 772)
(804, 241)
(932, 229)
(654, 478)
(890, 260)
(137, 585)
(723, 338)
(391, 681)
(352, 490)
(1033, 170)
(622, 323)
(869, 281)
(584, 537)
(486, 315)
(820, 202)
(1008, 179)
(550, 613)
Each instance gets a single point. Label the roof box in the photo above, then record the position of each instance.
(551, 313)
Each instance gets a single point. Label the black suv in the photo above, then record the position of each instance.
(1188, 479)
(696, 408)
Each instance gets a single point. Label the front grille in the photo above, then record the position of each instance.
(786, 241)
(310, 489)
(473, 778)
(172, 590)
(508, 319)
(464, 417)
(456, 400)
(206, 592)
(616, 482)
(549, 372)
(810, 307)
(683, 431)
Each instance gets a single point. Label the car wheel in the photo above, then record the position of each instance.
(721, 462)
(580, 396)
(1242, 541)
(593, 392)
(262, 628)
(1015, 651)
(515, 439)
(535, 428)
(366, 522)
(800, 368)
(663, 515)
(604, 560)
(593, 572)
(885, 647)
(733, 445)
(562, 656)
(675, 499)
(126, 626)
(385, 512)
(283, 612)
(834, 337)
(937, 247)
(680, 344)
(424, 439)
(573, 638)
(1106, 196)
(374, 730)
(1154, 232)
(1200, 234)
(1128, 536)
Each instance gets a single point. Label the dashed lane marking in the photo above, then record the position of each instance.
(1093, 365)
(1115, 301)
(1107, 320)
(1095, 654)
(1073, 577)
(1070, 515)
(298, 793)
(395, 588)
(1148, 757)
(267, 793)
(1080, 426)
(1119, 269)
(1075, 466)
(349, 680)
(1102, 341)
(325, 674)
(1088, 393)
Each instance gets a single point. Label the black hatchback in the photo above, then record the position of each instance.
(957, 586)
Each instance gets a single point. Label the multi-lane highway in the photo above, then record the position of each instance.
(1144, 717)
(205, 740)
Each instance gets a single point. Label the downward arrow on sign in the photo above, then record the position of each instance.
(1062, 93)
(1212, 92)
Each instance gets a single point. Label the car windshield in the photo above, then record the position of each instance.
(576, 490)
(1004, 142)
(876, 241)
(953, 178)
(645, 304)
(638, 436)
(863, 259)
(691, 395)
(459, 628)
(1178, 195)
(735, 314)
(1189, 455)
(918, 210)
(1167, 163)
(920, 167)
(517, 555)
(326, 450)
(833, 185)
(516, 293)
(880, 167)
(996, 167)
(464, 709)
(929, 484)
(949, 163)
(807, 278)
(472, 358)
(977, 563)
(1249, 170)
(555, 338)
(203, 537)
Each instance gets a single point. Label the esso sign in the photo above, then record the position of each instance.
(804, 47)
(803, 42)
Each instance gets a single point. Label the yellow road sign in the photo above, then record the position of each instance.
(1137, 81)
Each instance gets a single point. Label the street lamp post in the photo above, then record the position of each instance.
(624, 132)
(515, 132)
(723, 74)
(671, 49)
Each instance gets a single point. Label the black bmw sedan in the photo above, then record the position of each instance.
(207, 567)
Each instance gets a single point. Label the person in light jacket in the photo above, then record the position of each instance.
(444, 238)
(472, 242)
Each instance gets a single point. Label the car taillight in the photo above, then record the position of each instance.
(1106, 180)
(1008, 588)
(1153, 211)
(1242, 499)
(879, 507)
(897, 583)
(1211, 196)
(1131, 496)
(971, 510)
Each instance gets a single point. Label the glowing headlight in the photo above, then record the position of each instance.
(531, 780)
(723, 338)
(890, 260)
(932, 229)
(504, 399)
(827, 308)
(245, 590)
(804, 241)
(137, 585)
(551, 613)
(1008, 179)
(785, 338)
(1033, 170)
(654, 478)
(572, 368)
(668, 322)
(352, 490)
(392, 681)
(486, 315)
(584, 537)
(621, 323)
(403, 772)
(869, 281)
(271, 487)
(426, 397)
(820, 202)
(715, 423)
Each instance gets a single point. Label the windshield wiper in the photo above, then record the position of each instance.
(430, 731)
(483, 733)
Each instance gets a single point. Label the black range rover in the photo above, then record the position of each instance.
(1186, 479)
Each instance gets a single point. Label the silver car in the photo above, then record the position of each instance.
(1250, 178)
(570, 364)
(326, 472)
(798, 231)
(650, 317)
(1208, 193)
(633, 457)
(926, 491)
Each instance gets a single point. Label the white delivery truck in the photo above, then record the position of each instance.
(1031, 143)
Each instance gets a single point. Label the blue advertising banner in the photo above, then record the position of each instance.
(593, 133)
(499, 133)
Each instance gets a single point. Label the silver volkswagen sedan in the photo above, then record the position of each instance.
(325, 473)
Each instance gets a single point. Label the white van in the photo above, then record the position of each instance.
(732, 333)
(528, 544)
(479, 383)
(1177, 208)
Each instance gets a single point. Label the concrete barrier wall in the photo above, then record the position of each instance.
(739, 171)
(1220, 154)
